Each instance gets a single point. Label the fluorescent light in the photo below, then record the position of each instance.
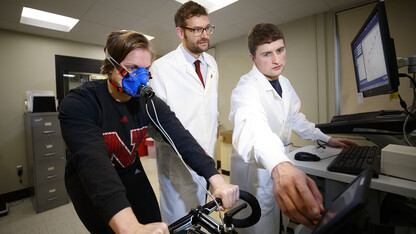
(47, 20)
(212, 5)
(148, 37)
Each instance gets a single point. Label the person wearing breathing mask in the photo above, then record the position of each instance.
(103, 122)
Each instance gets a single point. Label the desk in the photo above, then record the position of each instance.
(383, 183)
(335, 182)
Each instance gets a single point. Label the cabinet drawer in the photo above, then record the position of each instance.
(50, 194)
(45, 127)
(49, 149)
(50, 171)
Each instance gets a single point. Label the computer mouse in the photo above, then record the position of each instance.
(305, 156)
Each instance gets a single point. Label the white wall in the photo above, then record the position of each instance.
(27, 62)
(233, 61)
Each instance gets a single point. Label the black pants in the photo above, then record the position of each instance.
(139, 193)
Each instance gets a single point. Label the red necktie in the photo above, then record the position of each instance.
(198, 71)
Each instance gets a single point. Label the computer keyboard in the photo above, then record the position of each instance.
(354, 159)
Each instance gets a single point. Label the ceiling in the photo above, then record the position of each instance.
(155, 17)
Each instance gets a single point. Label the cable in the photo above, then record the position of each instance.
(404, 132)
(162, 130)
(295, 146)
(411, 79)
(404, 106)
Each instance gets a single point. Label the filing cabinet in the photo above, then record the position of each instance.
(45, 151)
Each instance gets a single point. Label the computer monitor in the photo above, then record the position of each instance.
(374, 56)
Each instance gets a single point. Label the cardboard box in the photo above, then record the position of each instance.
(150, 144)
(226, 137)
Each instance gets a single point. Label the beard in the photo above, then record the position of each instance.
(193, 46)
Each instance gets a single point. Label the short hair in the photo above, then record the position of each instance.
(120, 43)
(188, 10)
(263, 33)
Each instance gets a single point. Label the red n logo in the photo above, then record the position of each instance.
(119, 151)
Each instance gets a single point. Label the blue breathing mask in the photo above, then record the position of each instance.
(134, 84)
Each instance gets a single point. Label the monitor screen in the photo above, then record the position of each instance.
(374, 56)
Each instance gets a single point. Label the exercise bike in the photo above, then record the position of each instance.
(199, 218)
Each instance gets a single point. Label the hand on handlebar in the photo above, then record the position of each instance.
(198, 217)
(228, 193)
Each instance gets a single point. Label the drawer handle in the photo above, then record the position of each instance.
(49, 154)
(48, 132)
(38, 119)
(52, 198)
(51, 176)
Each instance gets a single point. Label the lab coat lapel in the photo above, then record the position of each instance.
(188, 67)
(211, 73)
(279, 107)
(286, 94)
(269, 91)
(190, 70)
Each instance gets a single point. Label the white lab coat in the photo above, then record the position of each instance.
(176, 82)
(263, 122)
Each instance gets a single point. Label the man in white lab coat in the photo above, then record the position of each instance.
(194, 100)
(264, 112)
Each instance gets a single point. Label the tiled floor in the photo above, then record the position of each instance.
(23, 219)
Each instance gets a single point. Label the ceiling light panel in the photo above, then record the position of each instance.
(211, 5)
(48, 20)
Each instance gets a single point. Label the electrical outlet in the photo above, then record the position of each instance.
(19, 170)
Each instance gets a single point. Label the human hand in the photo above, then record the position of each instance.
(228, 193)
(296, 194)
(153, 228)
(341, 142)
(125, 222)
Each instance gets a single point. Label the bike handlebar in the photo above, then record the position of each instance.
(199, 215)
(254, 217)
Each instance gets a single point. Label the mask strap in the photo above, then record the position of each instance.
(119, 89)
(119, 68)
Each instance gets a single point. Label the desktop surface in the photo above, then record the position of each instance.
(319, 168)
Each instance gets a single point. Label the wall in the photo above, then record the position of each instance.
(309, 67)
(27, 63)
